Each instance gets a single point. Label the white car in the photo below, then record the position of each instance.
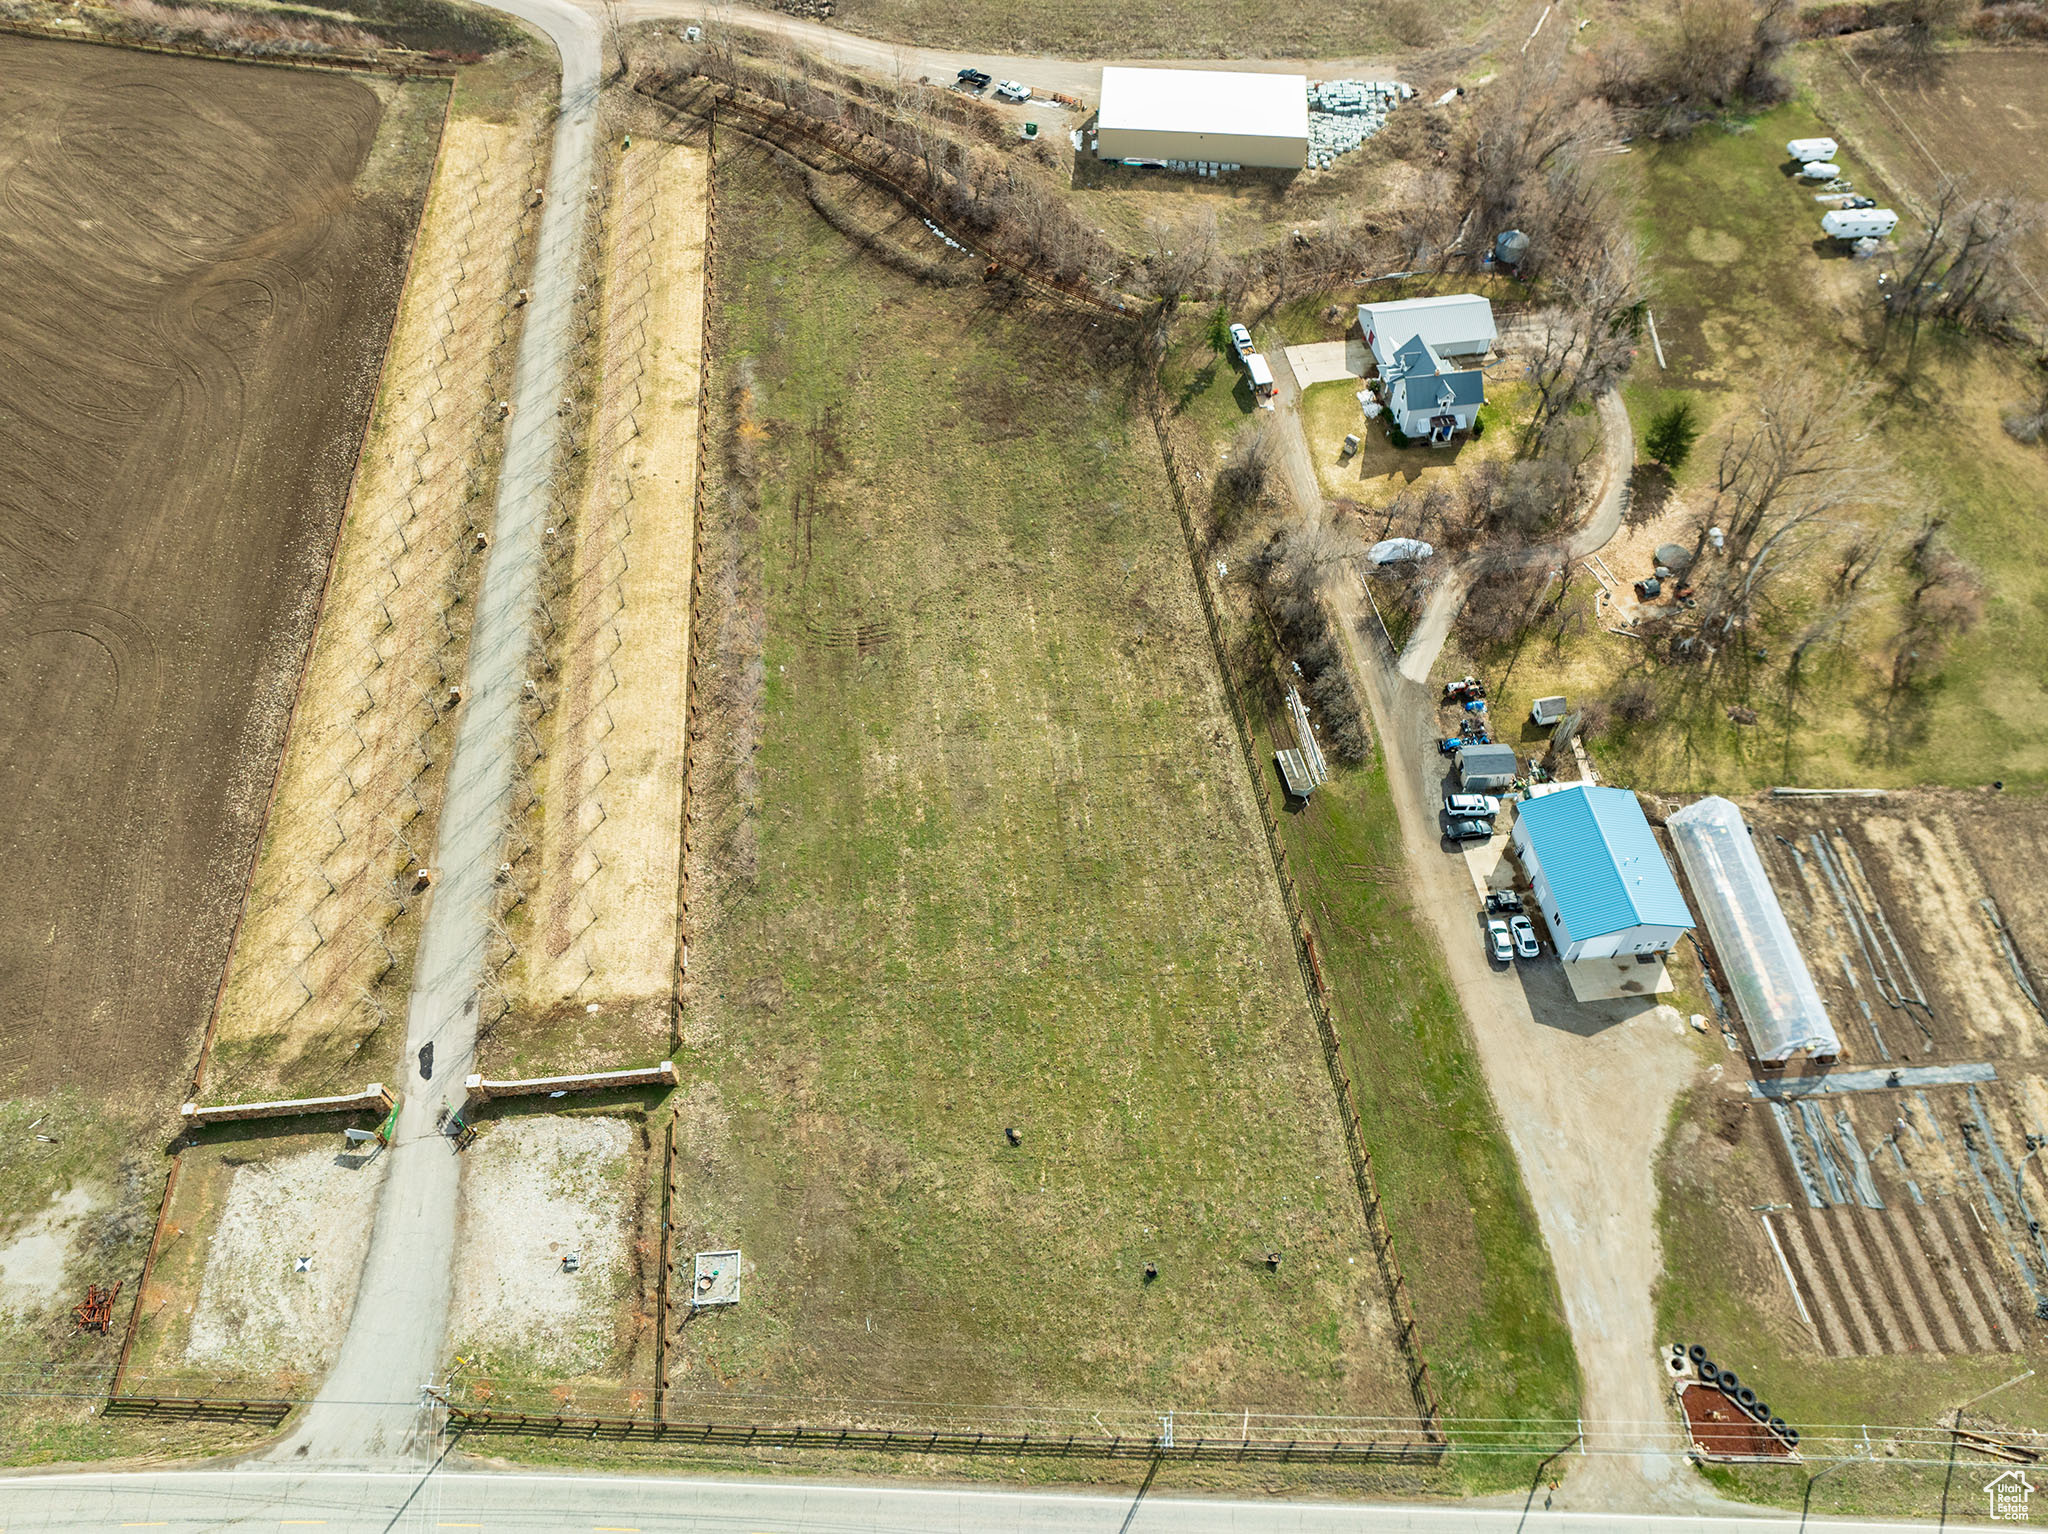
(1524, 932)
(1241, 339)
(1010, 90)
(1499, 946)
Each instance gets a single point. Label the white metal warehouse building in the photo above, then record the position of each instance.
(1222, 117)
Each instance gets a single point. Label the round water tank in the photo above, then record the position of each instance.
(1673, 556)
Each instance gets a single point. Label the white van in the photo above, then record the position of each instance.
(1806, 149)
(1859, 223)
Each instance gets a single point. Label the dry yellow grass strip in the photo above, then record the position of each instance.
(324, 949)
(601, 918)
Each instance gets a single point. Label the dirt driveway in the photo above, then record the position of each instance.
(1585, 1092)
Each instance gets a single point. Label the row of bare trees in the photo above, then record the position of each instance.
(1959, 269)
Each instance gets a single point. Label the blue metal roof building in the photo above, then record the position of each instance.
(1600, 878)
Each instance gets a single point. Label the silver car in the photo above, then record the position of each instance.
(1499, 946)
(1524, 932)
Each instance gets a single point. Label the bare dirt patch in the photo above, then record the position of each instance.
(256, 1307)
(535, 1190)
(1957, 123)
(37, 1253)
(202, 260)
(324, 955)
(1917, 1274)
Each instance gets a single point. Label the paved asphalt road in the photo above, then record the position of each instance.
(347, 1502)
(367, 1410)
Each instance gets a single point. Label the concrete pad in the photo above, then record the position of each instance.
(1328, 361)
(1618, 979)
(1489, 864)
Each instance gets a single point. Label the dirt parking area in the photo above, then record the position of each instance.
(282, 1263)
(262, 1246)
(536, 1191)
(202, 261)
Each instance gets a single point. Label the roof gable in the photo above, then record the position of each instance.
(1455, 322)
(1602, 862)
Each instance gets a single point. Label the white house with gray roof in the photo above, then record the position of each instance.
(1416, 344)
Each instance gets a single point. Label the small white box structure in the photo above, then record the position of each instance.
(717, 1280)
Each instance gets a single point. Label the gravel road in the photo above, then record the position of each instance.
(367, 1411)
(1584, 1093)
(1073, 77)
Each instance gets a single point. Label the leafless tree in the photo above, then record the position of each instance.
(1801, 469)
(615, 31)
(2028, 421)
(1912, 46)
(1959, 268)
(1246, 472)
(1182, 257)
(1944, 599)
(1526, 151)
(1589, 341)
(1705, 56)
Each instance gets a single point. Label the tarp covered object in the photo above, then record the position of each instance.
(1773, 987)
(1391, 551)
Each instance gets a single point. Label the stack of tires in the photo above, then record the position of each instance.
(1731, 1386)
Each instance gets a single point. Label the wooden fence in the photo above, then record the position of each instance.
(1428, 1401)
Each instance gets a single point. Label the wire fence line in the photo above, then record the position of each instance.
(739, 1419)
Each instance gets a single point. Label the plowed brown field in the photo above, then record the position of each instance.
(200, 263)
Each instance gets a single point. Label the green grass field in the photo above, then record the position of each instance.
(1739, 285)
(1493, 1328)
(1008, 874)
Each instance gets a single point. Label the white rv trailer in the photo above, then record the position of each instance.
(1806, 149)
(1819, 170)
(1859, 223)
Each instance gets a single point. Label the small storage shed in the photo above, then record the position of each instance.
(1773, 988)
(1599, 876)
(1212, 116)
(1486, 769)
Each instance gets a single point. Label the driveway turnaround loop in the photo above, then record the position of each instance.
(367, 1411)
